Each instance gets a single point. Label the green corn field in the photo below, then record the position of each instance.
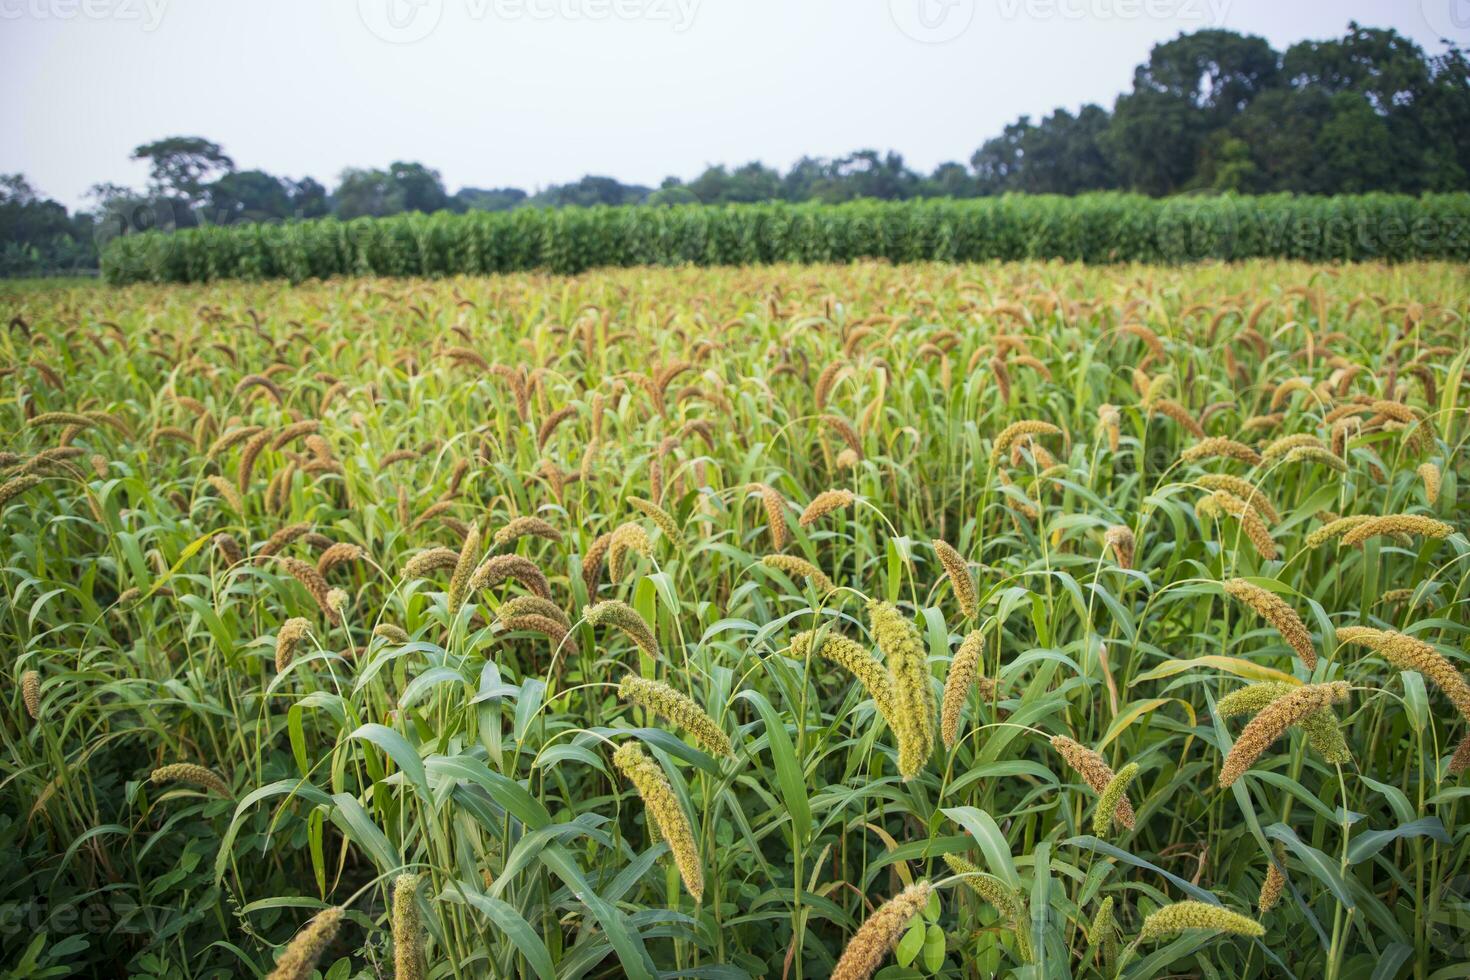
(1095, 228)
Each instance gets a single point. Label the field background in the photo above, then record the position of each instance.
(479, 754)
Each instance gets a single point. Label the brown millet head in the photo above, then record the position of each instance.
(291, 633)
(522, 527)
(1397, 524)
(30, 693)
(340, 553)
(1024, 429)
(1274, 610)
(1460, 761)
(299, 960)
(1094, 771)
(800, 568)
(626, 537)
(1411, 653)
(426, 563)
(1219, 446)
(871, 944)
(1272, 722)
(1430, 474)
(1250, 522)
(498, 568)
(1180, 414)
(775, 507)
(464, 565)
(1254, 497)
(823, 504)
(306, 574)
(1120, 541)
(592, 563)
(958, 571)
(1274, 884)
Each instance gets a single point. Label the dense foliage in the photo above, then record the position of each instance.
(382, 575)
(1090, 228)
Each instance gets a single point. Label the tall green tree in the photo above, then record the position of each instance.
(181, 166)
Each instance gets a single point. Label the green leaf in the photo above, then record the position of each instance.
(788, 774)
(398, 749)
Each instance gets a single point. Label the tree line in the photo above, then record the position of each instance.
(1212, 111)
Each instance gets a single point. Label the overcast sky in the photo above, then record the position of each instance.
(531, 92)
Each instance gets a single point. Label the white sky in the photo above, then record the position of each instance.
(531, 92)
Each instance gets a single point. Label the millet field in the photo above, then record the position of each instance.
(902, 620)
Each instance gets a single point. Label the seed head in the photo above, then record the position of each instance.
(802, 569)
(408, 930)
(964, 671)
(498, 568)
(1220, 447)
(1397, 524)
(1180, 916)
(823, 504)
(522, 527)
(187, 772)
(1274, 610)
(30, 693)
(871, 944)
(663, 808)
(291, 633)
(1001, 896)
(1107, 801)
(913, 718)
(1272, 721)
(958, 571)
(1411, 653)
(299, 960)
(616, 613)
(1120, 541)
(857, 661)
(1024, 429)
(1095, 772)
(1323, 732)
(678, 709)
